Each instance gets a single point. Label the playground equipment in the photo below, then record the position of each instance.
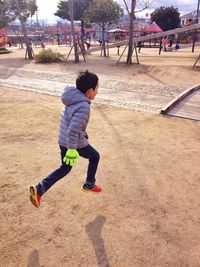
(198, 58)
(149, 37)
(185, 105)
(80, 51)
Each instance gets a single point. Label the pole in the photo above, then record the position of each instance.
(195, 32)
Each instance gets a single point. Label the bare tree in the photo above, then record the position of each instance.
(37, 27)
(24, 31)
(131, 11)
(16, 28)
(71, 10)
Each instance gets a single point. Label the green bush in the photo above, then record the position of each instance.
(2, 48)
(48, 56)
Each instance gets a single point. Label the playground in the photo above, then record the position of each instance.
(148, 212)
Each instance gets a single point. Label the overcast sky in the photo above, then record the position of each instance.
(48, 8)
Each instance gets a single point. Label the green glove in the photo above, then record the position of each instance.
(71, 157)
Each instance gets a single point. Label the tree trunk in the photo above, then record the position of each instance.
(82, 37)
(71, 6)
(195, 32)
(24, 31)
(20, 42)
(130, 43)
(103, 40)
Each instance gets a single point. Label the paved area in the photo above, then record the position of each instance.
(137, 95)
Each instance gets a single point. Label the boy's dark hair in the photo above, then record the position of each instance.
(86, 80)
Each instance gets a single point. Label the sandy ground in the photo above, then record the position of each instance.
(170, 68)
(148, 212)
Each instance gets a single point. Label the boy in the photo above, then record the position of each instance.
(73, 139)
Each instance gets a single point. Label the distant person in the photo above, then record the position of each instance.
(190, 22)
(100, 42)
(139, 46)
(160, 46)
(73, 139)
(170, 42)
(42, 45)
(87, 45)
(9, 42)
(177, 46)
(165, 43)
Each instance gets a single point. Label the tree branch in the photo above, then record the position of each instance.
(126, 5)
(141, 9)
(145, 4)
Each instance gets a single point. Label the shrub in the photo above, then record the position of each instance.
(2, 48)
(48, 56)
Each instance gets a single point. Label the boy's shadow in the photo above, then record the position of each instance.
(93, 229)
(33, 260)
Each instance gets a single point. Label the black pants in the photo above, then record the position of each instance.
(87, 152)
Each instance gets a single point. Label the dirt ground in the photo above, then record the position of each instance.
(172, 68)
(148, 213)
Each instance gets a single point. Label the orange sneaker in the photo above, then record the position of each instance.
(95, 189)
(34, 197)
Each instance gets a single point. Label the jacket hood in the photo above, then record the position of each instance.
(72, 95)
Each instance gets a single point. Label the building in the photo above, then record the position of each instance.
(189, 19)
(123, 23)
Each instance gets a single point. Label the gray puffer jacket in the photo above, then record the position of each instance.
(74, 119)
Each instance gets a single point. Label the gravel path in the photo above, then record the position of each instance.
(137, 95)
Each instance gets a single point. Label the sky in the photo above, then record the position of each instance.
(48, 8)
